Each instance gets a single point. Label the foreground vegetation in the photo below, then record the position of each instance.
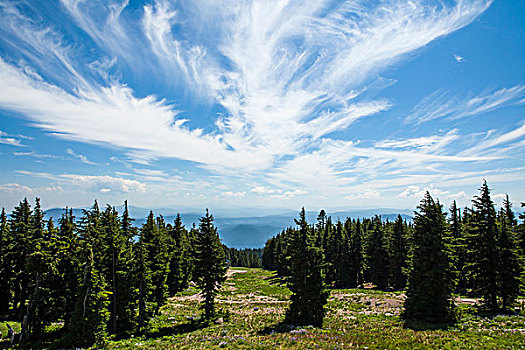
(355, 318)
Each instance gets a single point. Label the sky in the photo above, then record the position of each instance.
(261, 103)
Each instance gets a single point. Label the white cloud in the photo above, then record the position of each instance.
(459, 59)
(233, 194)
(442, 104)
(458, 195)
(418, 192)
(26, 190)
(262, 190)
(279, 97)
(37, 155)
(10, 141)
(81, 157)
(91, 183)
(289, 194)
(368, 194)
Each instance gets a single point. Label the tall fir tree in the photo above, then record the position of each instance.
(397, 247)
(179, 259)
(18, 256)
(509, 267)
(306, 277)
(90, 314)
(429, 283)
(67, 253)
(377, 255)
(483, 244)
(6, 270)
(210, 263)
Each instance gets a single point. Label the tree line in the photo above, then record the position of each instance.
(247, 257)
(478, 251)
(98, 274)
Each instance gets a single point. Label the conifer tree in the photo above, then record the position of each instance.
(398, 254)
(509, 268)
(210, 263)
(306, 278)
(40, 269)
(20, 227)
(378, 255)
(127, 290)
(429, 282)
(179, 268)
(142, 278)
(483, 243)
(67, 253)
(356, 253)
(155, 243)
(458, 247)
(5, 266)
(90, 314)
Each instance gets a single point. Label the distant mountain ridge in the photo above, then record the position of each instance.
(244, 232)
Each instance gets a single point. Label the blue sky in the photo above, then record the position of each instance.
(276, 104)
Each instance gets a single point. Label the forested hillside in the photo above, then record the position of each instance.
(97, 278)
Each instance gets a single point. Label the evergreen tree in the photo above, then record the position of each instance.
(458, 247)
(210, 263)
(179, 260)
(509, 268)
(398, 254)
(155, 242)
(356, 253)
(90, 315)
(68, 265)
(483, 244)
(41, 270)
(378, 255)
(142, 278)
(306, 278)
(429, 282)
(6, 270)
(21, 248)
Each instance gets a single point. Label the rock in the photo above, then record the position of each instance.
(220, 320)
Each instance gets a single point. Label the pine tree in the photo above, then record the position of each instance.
(142, 278)
(356, 252)
(210, 263)
(6, 271)
(483, 245)
(429, 282)
(179, 262)
(40, 269)
(21, 248)
(306, 278)
(398, 254)
(509, 268)
(377, 256)
(458, 247)
(90, 314)
(67, 253)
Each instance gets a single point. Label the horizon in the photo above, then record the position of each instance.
(259, 105)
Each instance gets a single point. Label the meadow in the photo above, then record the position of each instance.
(253, 302)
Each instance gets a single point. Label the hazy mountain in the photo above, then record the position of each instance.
(245, 231)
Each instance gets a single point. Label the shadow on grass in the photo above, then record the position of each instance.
(177, 329)
(275, 279)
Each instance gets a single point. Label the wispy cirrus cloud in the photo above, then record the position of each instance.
(80, 157)
(279, 96)
(444, 105)
(284, 81)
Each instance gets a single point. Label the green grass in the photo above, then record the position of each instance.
(355, 318)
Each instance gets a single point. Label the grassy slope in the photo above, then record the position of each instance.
(257, 300)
